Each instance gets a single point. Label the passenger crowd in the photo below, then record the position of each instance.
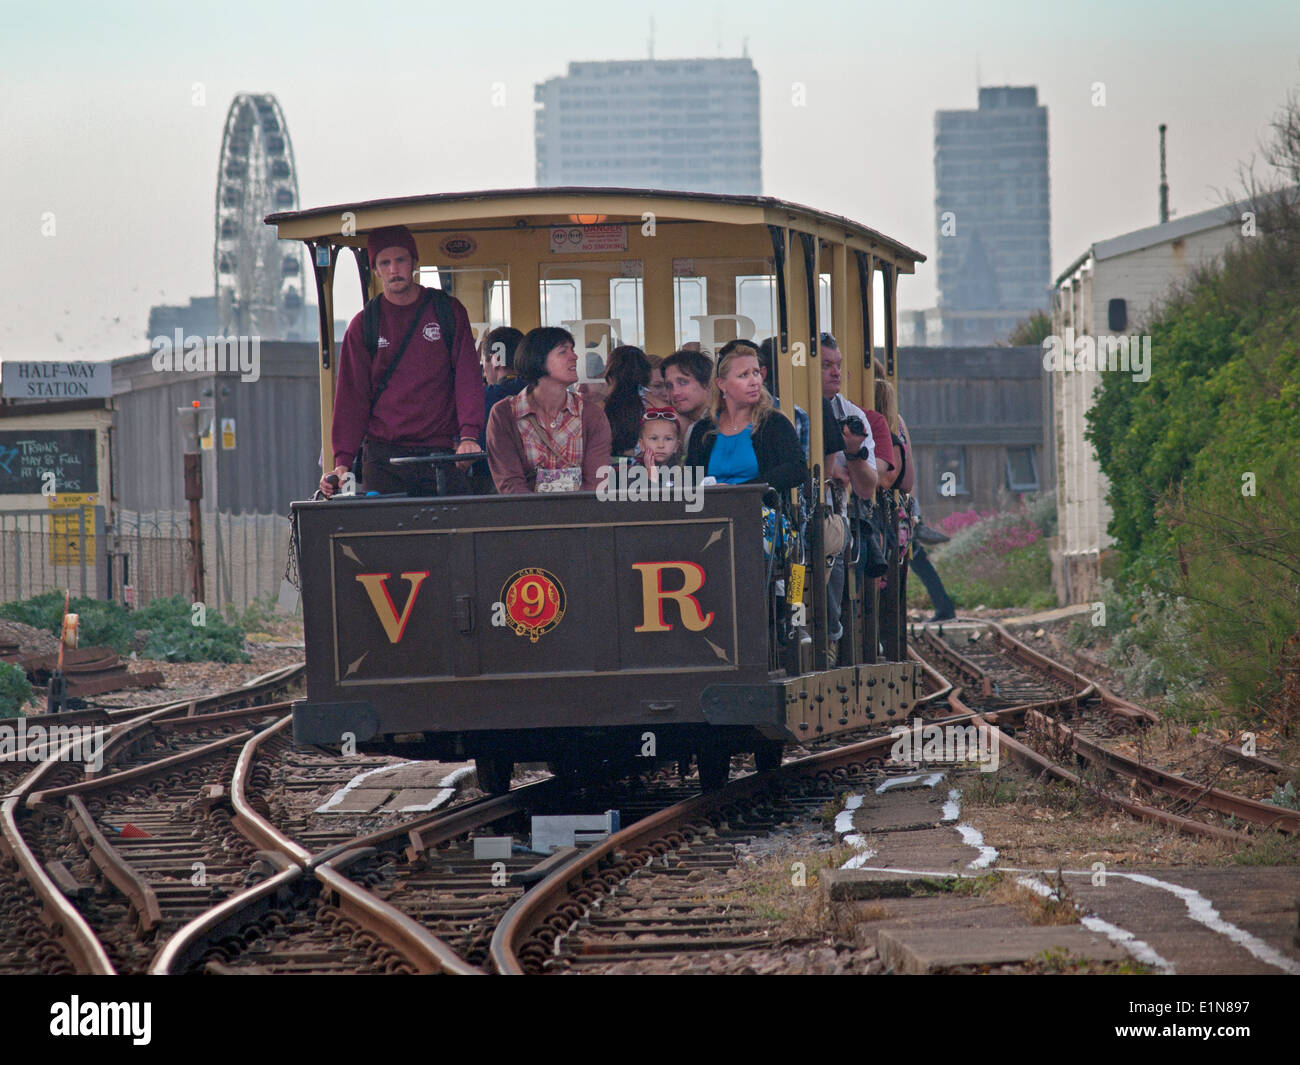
(415, 384)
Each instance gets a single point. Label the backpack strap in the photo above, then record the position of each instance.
(443, 308)
(397, 355)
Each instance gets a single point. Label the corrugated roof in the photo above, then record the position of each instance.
(1160, 233)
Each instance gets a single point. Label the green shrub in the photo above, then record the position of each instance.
(1202, 470)
(260, 615)
(173, 636)
(15, 690)
(1287, 796)
(100, 623)
(169, 622)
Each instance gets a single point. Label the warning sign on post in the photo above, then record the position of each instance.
(227, 434)
(67, 530)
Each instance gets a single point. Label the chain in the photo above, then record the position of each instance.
(291, 562)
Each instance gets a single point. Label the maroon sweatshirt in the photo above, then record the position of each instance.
(418, 407)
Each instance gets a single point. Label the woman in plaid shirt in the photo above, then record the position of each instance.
(547, 438)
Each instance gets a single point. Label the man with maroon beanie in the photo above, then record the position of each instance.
(433, 401)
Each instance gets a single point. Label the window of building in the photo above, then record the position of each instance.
(1022, 471)
(950, 470)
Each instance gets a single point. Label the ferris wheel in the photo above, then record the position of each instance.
(259, 279)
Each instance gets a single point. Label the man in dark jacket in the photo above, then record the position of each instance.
(433, 401)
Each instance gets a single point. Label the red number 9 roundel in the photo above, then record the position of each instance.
(534, 600)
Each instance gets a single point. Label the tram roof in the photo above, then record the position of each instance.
(506, 206)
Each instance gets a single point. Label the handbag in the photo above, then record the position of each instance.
(835, 527)
(871, 533)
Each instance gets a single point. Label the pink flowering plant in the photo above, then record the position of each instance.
(996, 558)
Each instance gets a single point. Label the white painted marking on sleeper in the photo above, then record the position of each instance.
(355, 782)
(952, 808)
(972, 838)
(1144, 952)
(447, 784)
(928, 779)
(844, 827)
(1202, 911)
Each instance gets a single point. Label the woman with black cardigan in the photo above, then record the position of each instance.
(745, 439)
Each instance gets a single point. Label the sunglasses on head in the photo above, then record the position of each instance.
(659, 414)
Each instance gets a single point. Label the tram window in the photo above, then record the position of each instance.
(484, 290)
(561, 300)
(824, 301)
(716, 300)
(756, 299)
(690, 298)
(497, 299)
(599, 302)
(627, 304)
(878, 309)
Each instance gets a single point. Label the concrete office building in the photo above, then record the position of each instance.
(992, 219)
(689, 124)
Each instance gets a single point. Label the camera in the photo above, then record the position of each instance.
(854, 425)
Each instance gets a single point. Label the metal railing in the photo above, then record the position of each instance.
(147, 552)
(54, 548)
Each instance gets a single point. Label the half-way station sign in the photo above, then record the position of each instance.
(57, 380)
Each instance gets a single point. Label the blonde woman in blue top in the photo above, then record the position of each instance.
(746, 439)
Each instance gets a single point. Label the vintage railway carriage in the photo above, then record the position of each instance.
(590, 631)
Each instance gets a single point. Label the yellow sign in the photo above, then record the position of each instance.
(794, 586)
(205, 441)
(227, 434)
(66, 529)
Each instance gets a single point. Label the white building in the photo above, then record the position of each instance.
(690, 124)
(1107, 292)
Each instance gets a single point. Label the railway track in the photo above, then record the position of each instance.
(281, 894)
(1054, 720)
(635, 896)
(63, 868)
(638, 896)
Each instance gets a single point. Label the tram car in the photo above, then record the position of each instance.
(594, 632)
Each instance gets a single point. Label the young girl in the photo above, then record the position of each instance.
(660, 438)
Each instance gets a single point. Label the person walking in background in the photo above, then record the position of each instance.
(920, 564)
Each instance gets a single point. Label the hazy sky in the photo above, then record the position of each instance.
(98, 126)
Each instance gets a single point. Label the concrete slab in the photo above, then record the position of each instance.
(416, 774)
(422, 780)
(1244, 922)
(897, 811)
(843, 885)
(421, 798)
(917, 951)
(361, 801)
(931, 849)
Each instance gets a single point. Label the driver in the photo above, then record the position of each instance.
(432, 401)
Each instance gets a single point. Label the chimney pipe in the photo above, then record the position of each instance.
(1164, 183)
